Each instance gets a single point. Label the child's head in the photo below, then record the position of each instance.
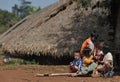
(77, 55)
(99, 44)
(106, 49)
(87, 51)
(94, 36)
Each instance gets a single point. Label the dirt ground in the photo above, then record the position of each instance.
(26, 73)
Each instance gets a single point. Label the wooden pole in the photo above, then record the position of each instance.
(42, 75)
(56, 74)
(62, 74)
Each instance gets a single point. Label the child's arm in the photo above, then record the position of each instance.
(79, 66)
(72, 63)
(87, 60)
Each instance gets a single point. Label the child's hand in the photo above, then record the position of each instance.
(92, 61)
(71, 63)
(96, 57)
(101, 62)
(76, 67)
(78, 72)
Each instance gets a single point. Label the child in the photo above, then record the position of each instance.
(98, 52)
(89, 42)
(6, 57)
(76, 64)
(107, 63)
(88, 64)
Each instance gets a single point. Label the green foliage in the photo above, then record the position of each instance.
(15, 62)
(21, 62)
(18, 61)
(24, 9)
(28, 11)
(7, 20)
(33, 62)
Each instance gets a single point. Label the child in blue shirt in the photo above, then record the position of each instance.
(76, 64)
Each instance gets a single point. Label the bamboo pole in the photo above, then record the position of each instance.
(56, 74)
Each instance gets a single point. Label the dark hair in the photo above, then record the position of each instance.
(94, 34)
(86, 50)
(99, 43)
(77, 51)
(106, 48)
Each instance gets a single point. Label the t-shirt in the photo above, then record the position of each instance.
(87, 43)
(77, 63)
(91, 45)
(87, 60)
(108, 57)
(99, 55)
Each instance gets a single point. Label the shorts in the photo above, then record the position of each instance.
(87, 69)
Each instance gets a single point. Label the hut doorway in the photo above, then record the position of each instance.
(116, 24)
(117, 30)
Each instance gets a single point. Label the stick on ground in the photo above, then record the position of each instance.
(56, 74)
(42, 75)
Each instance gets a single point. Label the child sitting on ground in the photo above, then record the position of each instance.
(107, 63)
(88, 64)
(76, 64)
(98, 52)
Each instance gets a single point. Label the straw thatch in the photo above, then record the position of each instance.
(56, 30)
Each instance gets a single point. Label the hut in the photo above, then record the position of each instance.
(58, 30)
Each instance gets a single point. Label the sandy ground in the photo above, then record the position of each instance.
(26, 73)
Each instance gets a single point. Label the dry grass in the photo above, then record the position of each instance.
(57, 30)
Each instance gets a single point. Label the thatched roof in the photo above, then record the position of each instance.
(56, 30)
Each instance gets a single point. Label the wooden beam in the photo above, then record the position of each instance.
(62, 74)
(42, 75)
(56, 74)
